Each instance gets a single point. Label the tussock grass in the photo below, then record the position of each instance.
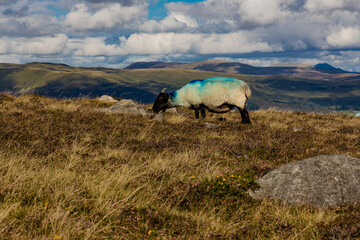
(69, 171)
(175, 118)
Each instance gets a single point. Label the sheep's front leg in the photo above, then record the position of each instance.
(196, 108)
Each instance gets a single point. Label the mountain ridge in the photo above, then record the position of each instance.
(143, 84)
(289, 69)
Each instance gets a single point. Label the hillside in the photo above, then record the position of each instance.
(286, 92)
(69, 171)
(319, 72)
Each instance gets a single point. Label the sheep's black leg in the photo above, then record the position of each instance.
(196, 112)
(245, 119)
(203, 114)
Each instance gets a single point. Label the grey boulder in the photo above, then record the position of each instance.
(322, 181)
(129, 107)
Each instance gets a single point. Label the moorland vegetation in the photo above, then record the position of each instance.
(69, 171)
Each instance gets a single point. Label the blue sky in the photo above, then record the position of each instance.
(115, 33)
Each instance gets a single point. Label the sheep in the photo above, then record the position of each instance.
(217, 94)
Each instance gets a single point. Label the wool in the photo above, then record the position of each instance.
(212, 92)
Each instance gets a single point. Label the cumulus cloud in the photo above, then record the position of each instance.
(174, 22)
(292, 24)
(331, 5)
(240, 13)
(135, 44)
(113, 16)
(323, 5)
(92, 46)
(38, 45)
(165, 43)
(27, 18)
(16, 12)
(27, 26)
(346, 37)
(260, 12)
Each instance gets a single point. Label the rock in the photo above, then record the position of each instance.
(172, 110)
(128, 106)
(106, 98)
(210, 125)
(159, 117)
(327, 180)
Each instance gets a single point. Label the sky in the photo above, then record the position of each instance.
(115, 33)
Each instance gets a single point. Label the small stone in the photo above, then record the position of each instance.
(159, 117)
(210, 125)
(106, 98)
(172, 110)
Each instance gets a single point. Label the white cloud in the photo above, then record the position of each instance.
(172, 43)
(34, 25)
(292, 24)
(260, 12)
(91, 46)
(10, 58)
(346, 37)
(174, 22)
(331, 5)
(323, 5)
(48, 45)
(240, 13)
(27, 18)
(143, 44)
(209, 10)
(113, 16)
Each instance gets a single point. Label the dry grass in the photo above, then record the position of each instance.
(71, 172)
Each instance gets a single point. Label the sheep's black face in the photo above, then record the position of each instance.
(161, 102)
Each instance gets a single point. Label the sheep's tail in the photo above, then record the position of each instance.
(247, 92)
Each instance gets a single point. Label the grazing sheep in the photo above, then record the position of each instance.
(217, 94)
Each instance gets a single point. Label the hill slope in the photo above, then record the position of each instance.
(287, 92)
(69, 171)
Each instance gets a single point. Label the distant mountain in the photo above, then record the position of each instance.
(288, 69)
(143, 81)
(291, 64)
(138, 65)
(326, 66)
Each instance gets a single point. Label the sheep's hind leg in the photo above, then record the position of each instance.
(203, 114)
(245, 119)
